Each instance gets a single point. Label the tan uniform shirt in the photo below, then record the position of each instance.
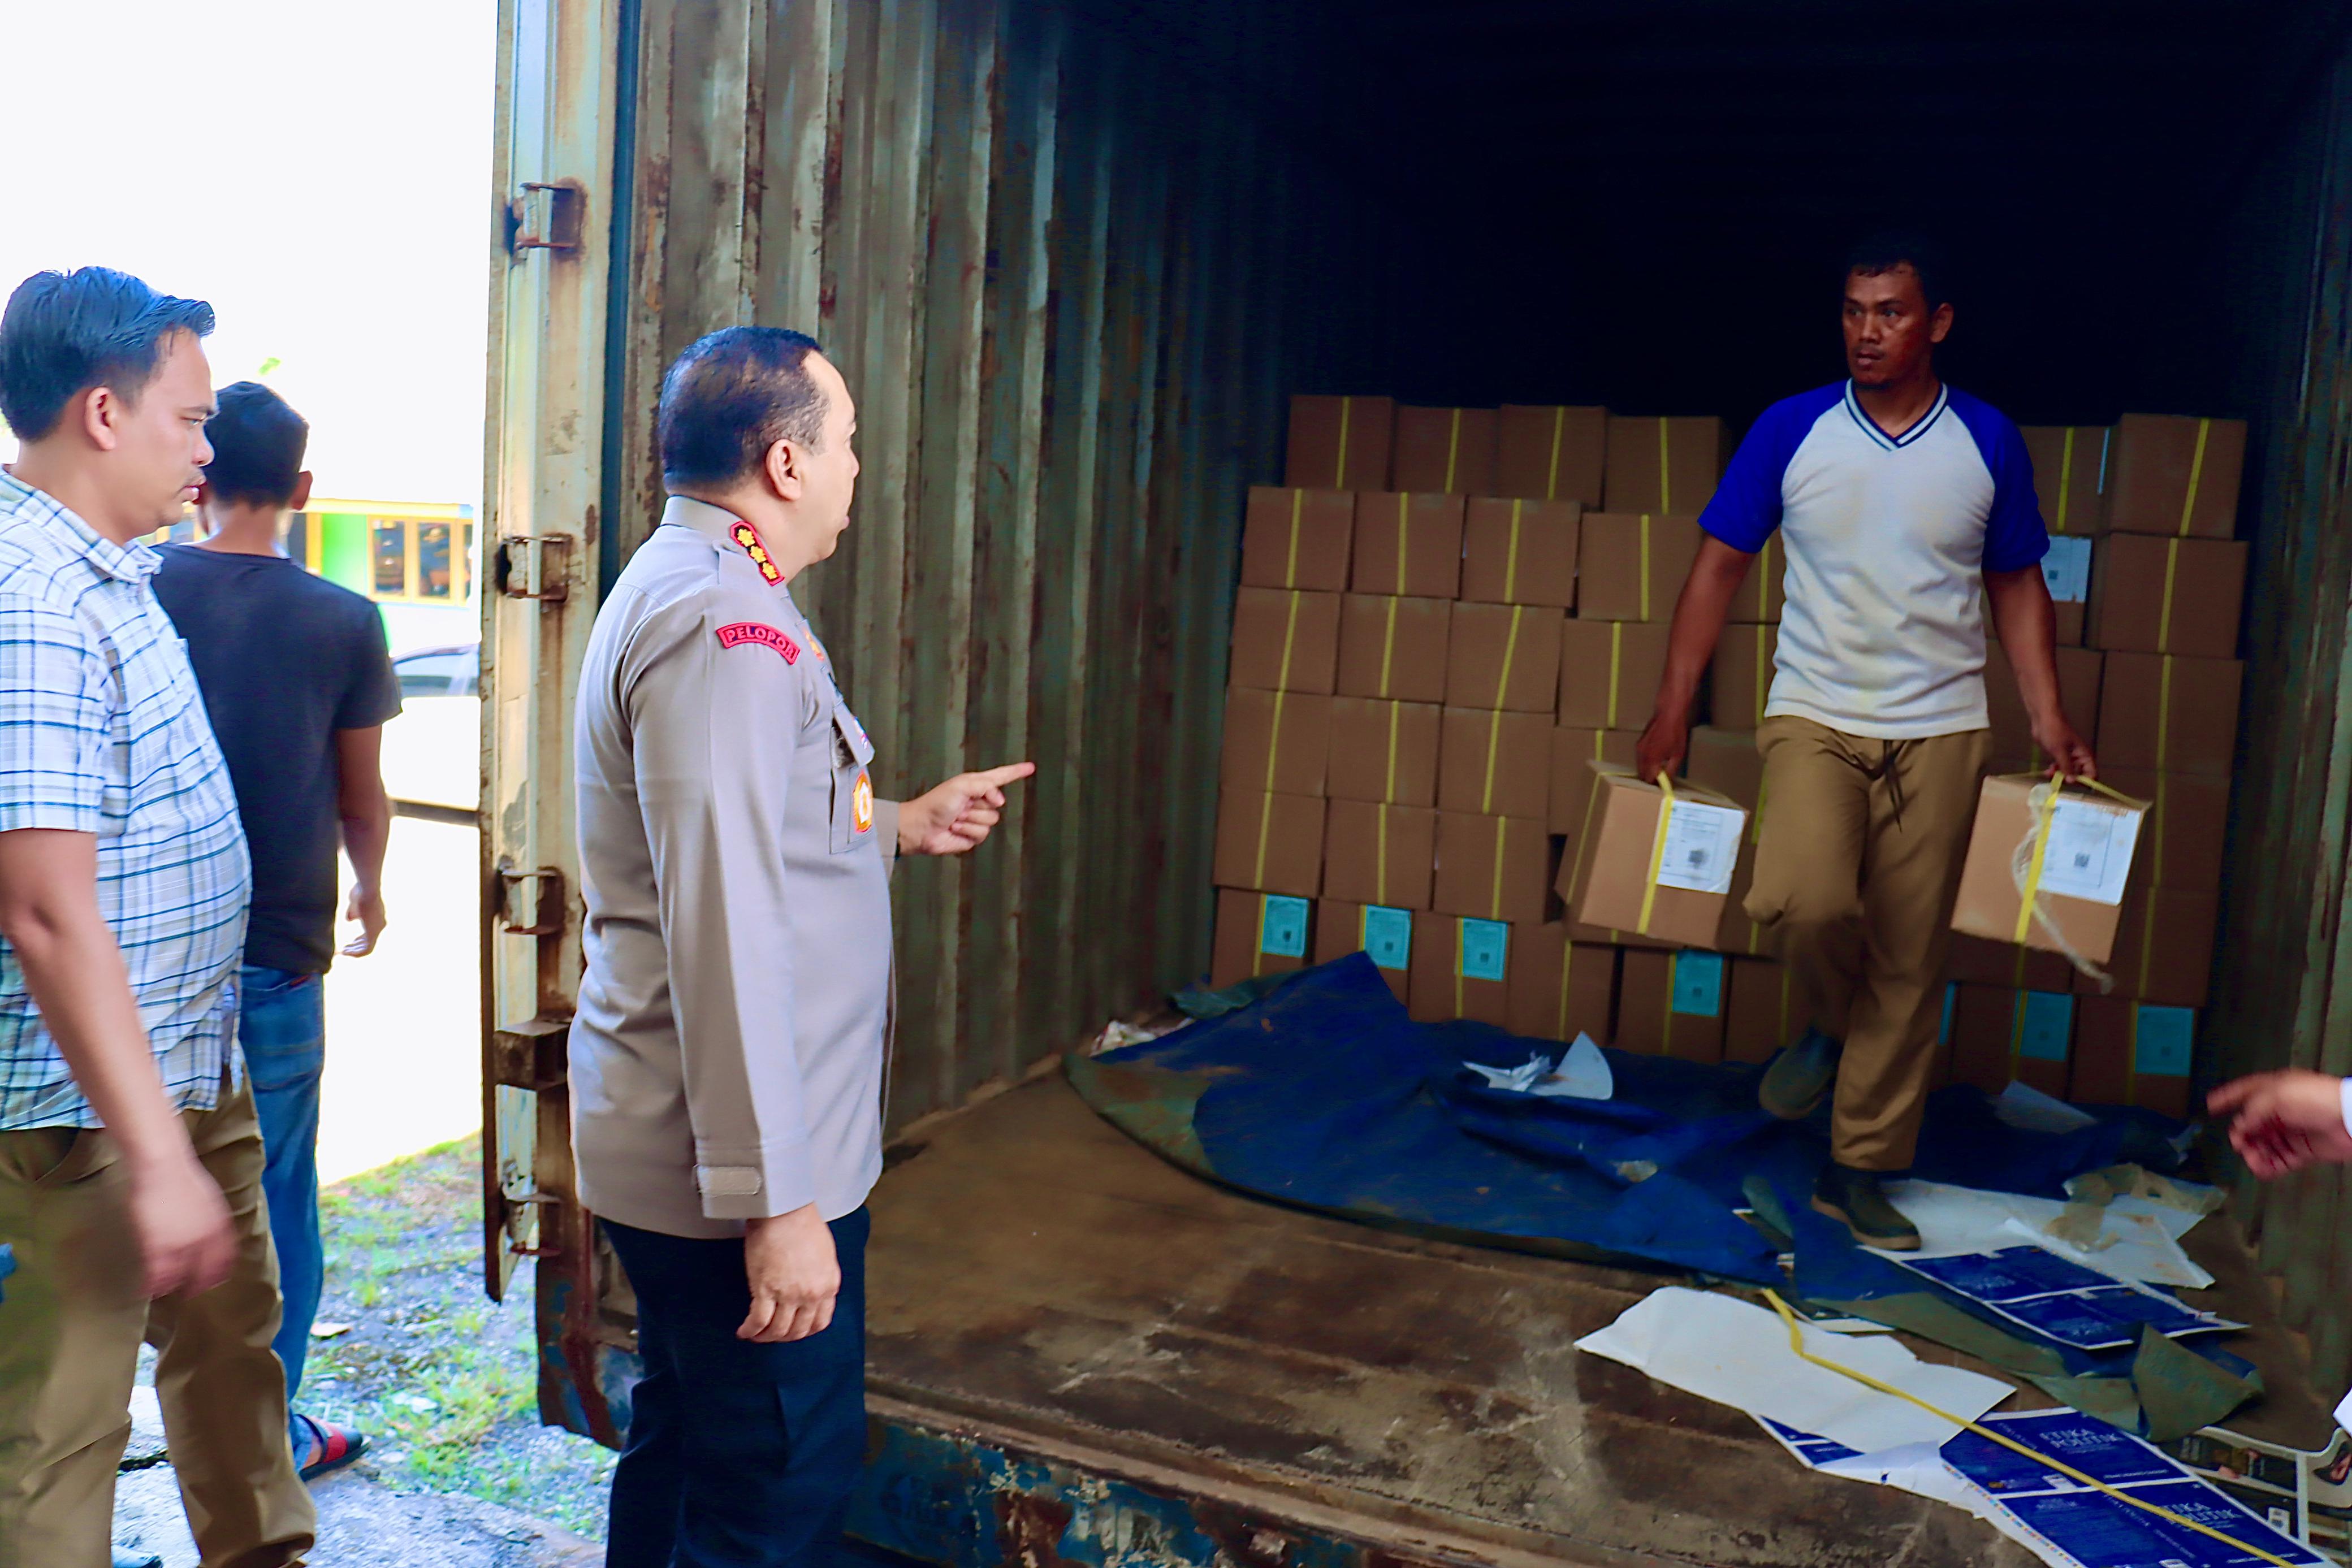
(727, 1055)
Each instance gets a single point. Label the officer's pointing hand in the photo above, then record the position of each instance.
(953, 818)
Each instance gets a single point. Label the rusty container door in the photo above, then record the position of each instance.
(1071, 258)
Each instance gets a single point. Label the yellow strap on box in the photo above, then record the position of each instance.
(2016, 1032)
(1388, 648)
(1551, 476)
(2147, 939)
(1460, 1006)
(1257, 937)
(1584, 834)
(1762, 684)
(2163, 708)
(1494, 744)
(1657, 850)
(2032, 890)
(1290, 565)
(1265, 825)
(1396, 717)
(2196, 476)
(1511, 558)
(2131, 1053)
(1764, 580)
(1616, 659)
(1381, 853)
(1340, 480)
(1665, 486)
(1502, 835)
(1404, 531)
(1452, 448)
(1274, 742)
(1645, 566)
(2065, 477)
(1289, 637)
(1510, 652)
(1567, 965)
(2164, 616)
(1667, 1029)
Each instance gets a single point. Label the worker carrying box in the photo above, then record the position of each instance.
(1904, 507)
(2046, 867)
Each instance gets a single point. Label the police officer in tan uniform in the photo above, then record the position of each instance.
(727, 1057)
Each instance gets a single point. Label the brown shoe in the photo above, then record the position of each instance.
(1856, 1197)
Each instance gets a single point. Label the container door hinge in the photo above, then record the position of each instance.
(534, 566)
(544, 217)
(531, 903)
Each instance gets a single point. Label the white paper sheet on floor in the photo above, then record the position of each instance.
(1725, 1349)
(2142, 1240)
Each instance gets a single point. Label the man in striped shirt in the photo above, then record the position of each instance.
(130, 1160)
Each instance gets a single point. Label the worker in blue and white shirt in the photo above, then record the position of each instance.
(130, 1159)
(1903, 505)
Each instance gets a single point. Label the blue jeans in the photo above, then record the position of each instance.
(282, 1025)
(740, 1455)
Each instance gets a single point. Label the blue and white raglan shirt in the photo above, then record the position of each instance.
(1888, 538)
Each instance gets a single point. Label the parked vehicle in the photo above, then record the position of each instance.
(432, 750)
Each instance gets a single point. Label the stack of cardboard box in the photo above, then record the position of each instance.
(2160, 578)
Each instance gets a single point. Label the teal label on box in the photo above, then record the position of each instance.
(1698, 984)
(2045, 1026)
(1952, 1001)
(1387, 935)
(1282, 926)
(2163, 1039)
(1483, 946)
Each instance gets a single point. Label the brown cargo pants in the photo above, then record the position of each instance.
(70, 1323)
(1855, 874)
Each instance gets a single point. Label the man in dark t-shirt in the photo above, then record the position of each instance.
(297, 684)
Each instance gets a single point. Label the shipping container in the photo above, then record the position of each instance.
(1073, 256)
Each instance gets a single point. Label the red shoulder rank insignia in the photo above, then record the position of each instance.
(741, 632)
(747, 536)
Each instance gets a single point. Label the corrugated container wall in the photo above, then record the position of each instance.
(1071, 269)
(2284, 986)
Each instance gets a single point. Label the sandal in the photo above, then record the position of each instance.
(335, 1446)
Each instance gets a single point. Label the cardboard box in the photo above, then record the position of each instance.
(1286, 642)
(1764, 592)
(1339, 443)
(1496, 868)
(1662, 464)
(1379, 853)
(1450, 451)
(2175, 475)
(1384, 934)
(2134, 1053)
(1520, 552)
(1461, 969)
(1981, 961)
(1278, 741)
(1765, 1012)
(1298, 538)
(1504, 656)
(2085, 867)
(1629, 566)
(1999, 1033)
(2188, 825)
(1609, 672)
(1742, 676)
(2169, 715)
(1667, 884)
(1391, 647)
(1383, 751)
(1559, 988)
(1672, 1004)
(1495, 764)
(1269, 843)
(2163, 949)
(1409, 545)
(2079, 673)
(1571, 781)
(2070, 470)
(1550, 454)
(1256, 933)
(2167, 596)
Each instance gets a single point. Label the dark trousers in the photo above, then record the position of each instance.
(740, 1455)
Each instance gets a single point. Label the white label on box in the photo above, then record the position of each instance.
(2090, 850)
(1702, 847)
(2067, 568)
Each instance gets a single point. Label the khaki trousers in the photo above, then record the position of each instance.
(71, 1324)
(1856, 874)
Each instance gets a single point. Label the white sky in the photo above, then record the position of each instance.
(319, 170)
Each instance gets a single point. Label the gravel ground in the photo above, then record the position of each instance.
(440, 1378)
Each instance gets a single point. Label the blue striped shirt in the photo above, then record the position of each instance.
(102, 731)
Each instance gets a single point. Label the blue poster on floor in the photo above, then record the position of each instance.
(2061, 1299)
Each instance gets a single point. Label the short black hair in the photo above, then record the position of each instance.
(257, 446)
(733, 394)
(66, 332)
(1890, 248)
